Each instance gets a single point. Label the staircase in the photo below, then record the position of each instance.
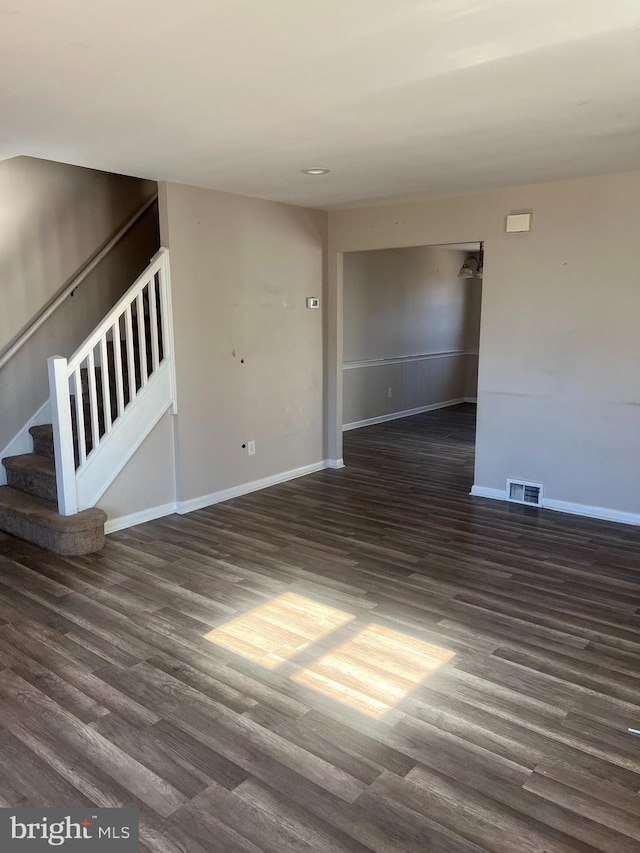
(104, 401)
(29, 503)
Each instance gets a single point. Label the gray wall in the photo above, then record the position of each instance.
(559, 382)
(241, 269)
(148, 480)
(407, 311)
(53, 218)
(559, 386)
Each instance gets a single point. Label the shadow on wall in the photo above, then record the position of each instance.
(54, 218)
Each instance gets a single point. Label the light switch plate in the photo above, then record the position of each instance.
(313, 302)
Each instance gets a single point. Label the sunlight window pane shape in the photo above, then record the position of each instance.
(374, 670)
(279, 629)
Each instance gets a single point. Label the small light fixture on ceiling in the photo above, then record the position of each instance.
(473, 267)
(315, 171)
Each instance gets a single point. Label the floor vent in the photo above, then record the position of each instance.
(524, 493)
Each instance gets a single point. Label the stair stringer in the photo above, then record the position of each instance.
(126, 435)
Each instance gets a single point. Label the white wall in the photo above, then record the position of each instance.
(241, 270)
(53, 218)
(559, 384)
(409, 322)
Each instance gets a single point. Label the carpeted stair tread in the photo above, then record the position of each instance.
(42, 436)
(12, 499)
(29, 501)
(39, 521)
(33, 474)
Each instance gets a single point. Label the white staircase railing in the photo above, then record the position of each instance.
(109, 395)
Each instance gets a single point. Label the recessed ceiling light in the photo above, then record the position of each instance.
(315, 171)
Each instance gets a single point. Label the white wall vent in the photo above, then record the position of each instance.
(521, 492)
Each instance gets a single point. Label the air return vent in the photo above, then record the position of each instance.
(524, 493)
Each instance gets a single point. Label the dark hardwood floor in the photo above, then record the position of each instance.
(317, 733)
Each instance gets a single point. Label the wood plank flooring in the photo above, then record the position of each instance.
(510, 739)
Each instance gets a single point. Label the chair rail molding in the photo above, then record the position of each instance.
(405, 359)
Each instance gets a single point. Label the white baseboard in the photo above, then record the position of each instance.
(192, 504)
(183, 507)
(470, 399)
(603, 513)
(394, 416)
(592, 511)
(134, 518)
(484, 492)
(335, 463)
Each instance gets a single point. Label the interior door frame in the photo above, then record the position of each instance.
(335, 342)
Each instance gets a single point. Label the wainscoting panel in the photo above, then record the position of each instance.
(416, 382)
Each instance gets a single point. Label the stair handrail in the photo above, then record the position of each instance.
(65, 375)
(43, 315)
(127, 298)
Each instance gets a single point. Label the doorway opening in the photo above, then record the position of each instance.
(411, 339)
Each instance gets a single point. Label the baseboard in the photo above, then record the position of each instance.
(470, 399)
(592, 511)
(394, 416)
(192, 504)
(335, 463)
(183, 507)
(114, 524)
(484, 492)
(602, 513)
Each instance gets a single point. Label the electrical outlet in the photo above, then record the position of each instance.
(389, 392)
(251, 448)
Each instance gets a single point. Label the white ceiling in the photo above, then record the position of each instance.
(397, 97)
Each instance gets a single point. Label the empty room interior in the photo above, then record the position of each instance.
(320, 427)
(410, 340)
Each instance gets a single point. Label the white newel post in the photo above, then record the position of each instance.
(62, 435)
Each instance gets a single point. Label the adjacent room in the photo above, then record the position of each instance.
(411, 338)
(320, 426)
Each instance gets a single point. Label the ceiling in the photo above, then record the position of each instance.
(399, 99)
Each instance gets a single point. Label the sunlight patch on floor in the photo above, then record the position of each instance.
(278, 630)
(374, 670)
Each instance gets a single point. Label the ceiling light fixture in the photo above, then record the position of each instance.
(473, 267)
(315, 171)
